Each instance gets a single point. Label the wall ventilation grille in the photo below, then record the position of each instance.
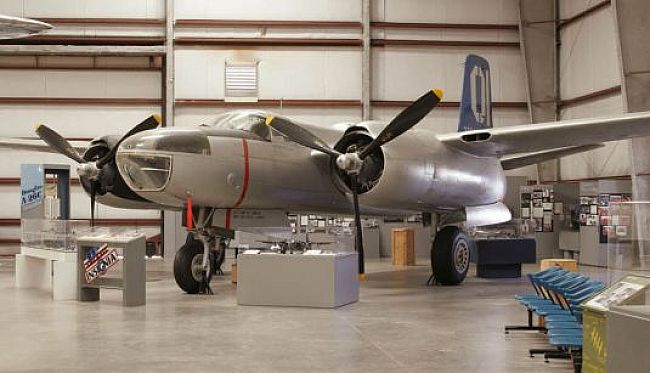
(241, 82)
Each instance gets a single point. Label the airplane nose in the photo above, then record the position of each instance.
(145, 172)
(145, 160)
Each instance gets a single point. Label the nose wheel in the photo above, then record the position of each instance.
(189, 272)
(201, 275)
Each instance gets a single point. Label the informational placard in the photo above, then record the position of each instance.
(32, 178)
(619, 293)
(98, 261)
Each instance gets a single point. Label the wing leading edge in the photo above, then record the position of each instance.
(531, 138)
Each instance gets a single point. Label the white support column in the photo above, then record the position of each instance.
(171, 219)
(168, 88)
(366, 91)
(633, 37)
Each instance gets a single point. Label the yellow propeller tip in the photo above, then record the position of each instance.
(157, 118)
(362, 277)
(37, 126)
(269, 119)
(439, 93)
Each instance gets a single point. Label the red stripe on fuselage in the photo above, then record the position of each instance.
(244, 187)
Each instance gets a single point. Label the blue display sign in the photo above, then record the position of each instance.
(32, 177)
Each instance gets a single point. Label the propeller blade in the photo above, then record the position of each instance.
(405, 120)
(58, 142)
(147, 124)
(358, 242)
(300, 135)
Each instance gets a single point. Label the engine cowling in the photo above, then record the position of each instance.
(111, 189)
(373, 165)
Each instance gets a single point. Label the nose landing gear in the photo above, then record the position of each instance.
(201, 257)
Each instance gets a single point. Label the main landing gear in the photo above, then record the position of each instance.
(450, 253)
(201, 256)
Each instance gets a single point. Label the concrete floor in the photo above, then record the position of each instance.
(398, 324)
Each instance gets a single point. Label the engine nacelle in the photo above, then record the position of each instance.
(111, 190)
(419, 173)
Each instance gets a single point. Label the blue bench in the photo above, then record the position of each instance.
(557, 299)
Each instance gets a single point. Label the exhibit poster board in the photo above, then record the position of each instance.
(538, 204)
(610, 212)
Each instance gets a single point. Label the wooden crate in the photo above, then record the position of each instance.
(233, 273)
(403, 246)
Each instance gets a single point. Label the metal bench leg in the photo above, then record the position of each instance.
(556, 355)
(540, 351)
(576, 357)
(530, 325)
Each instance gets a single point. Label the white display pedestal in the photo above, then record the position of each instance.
(326, 281)
(49, 270)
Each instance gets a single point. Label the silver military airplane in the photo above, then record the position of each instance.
(246, 160)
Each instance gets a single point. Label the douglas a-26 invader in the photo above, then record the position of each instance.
(255, 160)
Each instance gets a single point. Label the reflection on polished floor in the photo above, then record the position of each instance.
(399, 324)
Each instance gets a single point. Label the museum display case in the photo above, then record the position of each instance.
(515, 228)
(59, 235)
(294, 240)
(627, 238)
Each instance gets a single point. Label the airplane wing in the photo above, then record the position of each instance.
(31, 145)
(530, 138)
(520, 160)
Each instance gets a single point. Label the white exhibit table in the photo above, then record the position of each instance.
(48, 269)
(322, 280)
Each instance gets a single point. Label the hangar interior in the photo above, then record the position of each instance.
(105, 66)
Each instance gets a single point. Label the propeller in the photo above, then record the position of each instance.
(352, 160)
(405, 120)
(92, 170)
(147, 124)
(58, 142)
(300, 135)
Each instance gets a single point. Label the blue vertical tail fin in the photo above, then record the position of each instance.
(476, 103)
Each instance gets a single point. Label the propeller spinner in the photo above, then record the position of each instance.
(352, 160)
(89, 169)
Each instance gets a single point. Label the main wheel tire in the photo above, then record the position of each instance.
(450, 253)
(188, 271)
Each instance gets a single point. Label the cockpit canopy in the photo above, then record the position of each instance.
(249, 121)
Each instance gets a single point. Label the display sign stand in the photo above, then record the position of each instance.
(94, 272)
(40, 267)
(627, 291)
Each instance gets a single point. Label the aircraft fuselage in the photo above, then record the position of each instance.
(231, 169)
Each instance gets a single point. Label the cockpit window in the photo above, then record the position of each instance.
(249, 121)
(172, 141)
